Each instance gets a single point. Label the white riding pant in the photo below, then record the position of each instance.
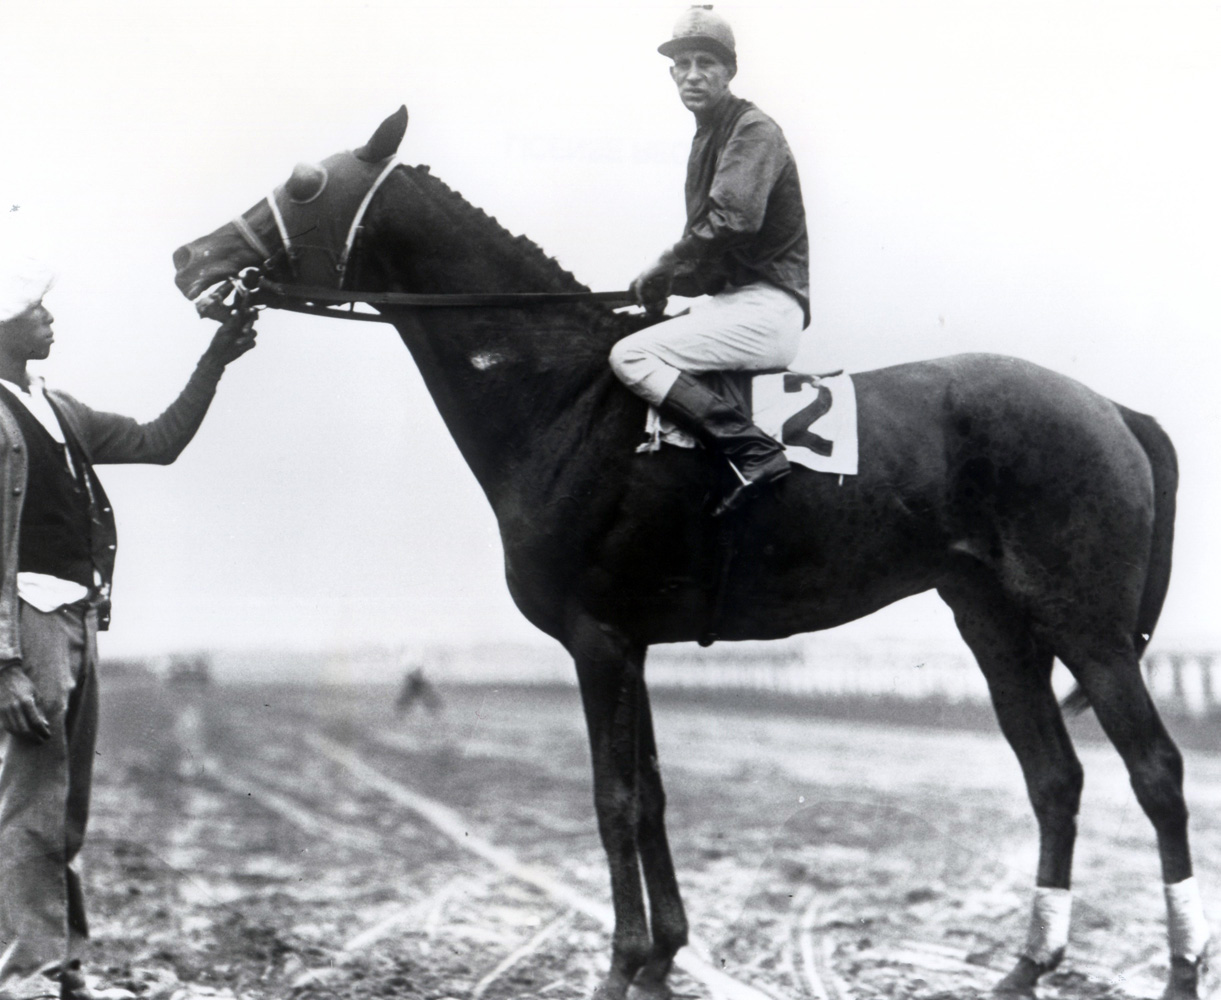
(748, 328)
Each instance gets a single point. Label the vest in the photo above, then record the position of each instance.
(57, 517)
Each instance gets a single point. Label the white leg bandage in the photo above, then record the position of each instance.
(1185, 918)
(1049, 918)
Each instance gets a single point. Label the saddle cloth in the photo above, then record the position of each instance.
(813, 416)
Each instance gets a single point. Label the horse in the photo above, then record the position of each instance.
(1040, 511)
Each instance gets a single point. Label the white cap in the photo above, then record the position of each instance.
(25, 274)
(23, 283)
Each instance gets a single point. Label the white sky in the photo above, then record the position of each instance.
(1037, 179)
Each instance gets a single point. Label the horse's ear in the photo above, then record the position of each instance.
(386, 139)
(306, 183)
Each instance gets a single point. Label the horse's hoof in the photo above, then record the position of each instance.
(649, 988)
(1020, 981)
(612, 988)
(651, 984)
(651, 981)
(1184, 981)
(650, 991)
(1193, 979)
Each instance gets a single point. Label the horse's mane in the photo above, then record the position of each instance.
(541, 267)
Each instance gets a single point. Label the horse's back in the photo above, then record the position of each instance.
(1009, 411)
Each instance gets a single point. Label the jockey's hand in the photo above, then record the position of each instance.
(233, 338)
(19, 711)
(652, 286)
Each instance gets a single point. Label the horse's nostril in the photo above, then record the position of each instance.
(182, 257)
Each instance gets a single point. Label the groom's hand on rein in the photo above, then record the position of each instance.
(233, 338)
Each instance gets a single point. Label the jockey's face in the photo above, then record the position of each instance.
(702, 79)
(28, 336)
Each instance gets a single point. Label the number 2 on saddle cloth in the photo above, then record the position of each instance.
(737, 387)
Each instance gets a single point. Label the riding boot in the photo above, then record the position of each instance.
(755, 457)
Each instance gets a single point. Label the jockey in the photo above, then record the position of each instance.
(744, 244)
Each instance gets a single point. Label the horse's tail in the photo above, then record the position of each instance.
(1165, 467)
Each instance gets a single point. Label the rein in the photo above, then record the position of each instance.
(252, 291)
(320, 301)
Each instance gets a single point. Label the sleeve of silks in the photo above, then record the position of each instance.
(111, 438)
(752, 161)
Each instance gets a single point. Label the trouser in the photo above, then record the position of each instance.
(748, 328)
(44, 799)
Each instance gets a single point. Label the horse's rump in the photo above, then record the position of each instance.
(1053, 489)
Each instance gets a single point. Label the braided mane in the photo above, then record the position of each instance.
(542, 268)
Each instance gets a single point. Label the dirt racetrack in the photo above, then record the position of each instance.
(306, 842)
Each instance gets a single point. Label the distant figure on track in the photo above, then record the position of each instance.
(57, 548)
(417, 688)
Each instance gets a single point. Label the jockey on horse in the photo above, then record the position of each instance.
(744, 244)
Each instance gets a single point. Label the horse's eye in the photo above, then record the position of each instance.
(306, 183)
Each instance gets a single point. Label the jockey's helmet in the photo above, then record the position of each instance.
(700, 28)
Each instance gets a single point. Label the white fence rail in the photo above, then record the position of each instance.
(1181, 682)
(1187, 681)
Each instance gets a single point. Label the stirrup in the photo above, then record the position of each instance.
(747, 489)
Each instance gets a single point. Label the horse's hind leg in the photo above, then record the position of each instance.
(669, 921)
(1110, 677)
(1018, 671)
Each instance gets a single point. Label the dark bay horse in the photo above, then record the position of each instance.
(1040, 511)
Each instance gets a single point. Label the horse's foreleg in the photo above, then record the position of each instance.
(669, 921)
(609, 670)
(1127, 714)
(1018, 672)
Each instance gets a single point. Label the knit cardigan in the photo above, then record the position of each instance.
(105, 438)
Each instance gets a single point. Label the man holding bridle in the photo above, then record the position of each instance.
(744, 244)
(57, 544)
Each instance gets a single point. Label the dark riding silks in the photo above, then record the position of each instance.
(746, 221)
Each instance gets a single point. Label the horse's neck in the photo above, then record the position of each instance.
(518, 388)
(521, 394)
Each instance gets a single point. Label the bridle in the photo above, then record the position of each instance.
(252, 289)
(246, 231)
